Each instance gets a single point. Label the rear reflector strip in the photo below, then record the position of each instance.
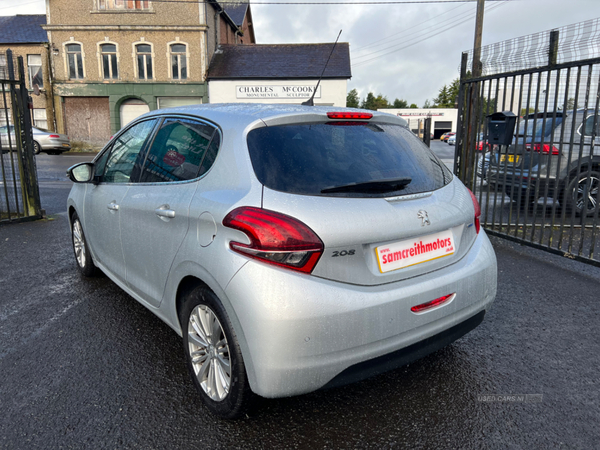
(433, 303)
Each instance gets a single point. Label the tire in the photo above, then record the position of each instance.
(36, 148)
(214, 360)
(83, 258)
(581, 195)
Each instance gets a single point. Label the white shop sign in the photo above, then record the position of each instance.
(276, 91)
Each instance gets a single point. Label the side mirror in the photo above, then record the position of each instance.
(81, 173)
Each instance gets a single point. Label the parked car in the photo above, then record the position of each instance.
(43, 141)
(452, 140)
(443, 136)
(447, 136)
(293, 247)
(552, 152)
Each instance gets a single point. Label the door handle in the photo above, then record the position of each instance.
(163, 211)
(113, 206)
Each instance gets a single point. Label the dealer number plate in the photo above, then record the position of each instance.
(414, 251)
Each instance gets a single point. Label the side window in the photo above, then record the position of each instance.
(178, 151)
(126, 157)
(588, 126)
(211, 154)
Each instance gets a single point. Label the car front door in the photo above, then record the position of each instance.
(154, 212)
(115, 170)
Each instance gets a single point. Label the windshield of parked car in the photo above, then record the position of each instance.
(336, 158)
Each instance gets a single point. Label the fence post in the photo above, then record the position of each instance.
(427, 132)
(29, 182)
(460, 138)
(553, 48)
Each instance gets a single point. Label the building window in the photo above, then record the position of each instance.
(109, 61)
(3, 68)
(140, 5)
(39, 119)
(178, 61)
(144, 61)
(34, 64)
(75, 61)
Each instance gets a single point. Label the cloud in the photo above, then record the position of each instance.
(414, 73)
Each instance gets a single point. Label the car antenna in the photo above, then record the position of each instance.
(310, 102)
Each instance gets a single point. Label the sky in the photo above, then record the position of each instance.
(406, 51)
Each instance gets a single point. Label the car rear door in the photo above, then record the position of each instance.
(155, 211)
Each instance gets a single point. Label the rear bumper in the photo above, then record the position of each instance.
(406, 355)
(55, 147)
(300, 332)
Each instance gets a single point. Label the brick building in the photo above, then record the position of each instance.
(24, 36)
(115, 59)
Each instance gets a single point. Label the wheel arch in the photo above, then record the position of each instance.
(190, 282)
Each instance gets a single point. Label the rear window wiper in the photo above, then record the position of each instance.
(378, 186)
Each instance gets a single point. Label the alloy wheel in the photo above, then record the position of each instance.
(586, 195)
(79, 243)
(209, 353)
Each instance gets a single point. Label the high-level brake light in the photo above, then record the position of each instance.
(349, 115)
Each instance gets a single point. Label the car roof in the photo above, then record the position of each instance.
(243, 114)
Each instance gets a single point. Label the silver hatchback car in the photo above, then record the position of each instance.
(292, 247)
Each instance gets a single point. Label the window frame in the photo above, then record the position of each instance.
(122, 5)
(171, 54)
(3, 67)
(101, 54)
(582, 130)
(135, 61)
(41, 70)
(218, 132)
(106, 153)
(66, 53)
(36, 119)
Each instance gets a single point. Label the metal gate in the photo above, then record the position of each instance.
(19, 192)
(543, 188)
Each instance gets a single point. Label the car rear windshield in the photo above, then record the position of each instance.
(546, 126)
(349, 159)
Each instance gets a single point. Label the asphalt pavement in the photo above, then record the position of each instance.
(83, 365)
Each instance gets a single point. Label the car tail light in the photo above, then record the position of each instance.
(545, 149)
(477, 222)
(349, 115)
(54, 136)
(433, 303)
(275, 238)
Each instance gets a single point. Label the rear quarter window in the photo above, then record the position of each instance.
(308, 158)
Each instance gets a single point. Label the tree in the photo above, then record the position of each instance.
(526, 111)
(570, 104)
(400, 104)
(448, 95)
(413, 106)
(426, 105)
(375, 103)
(352, 99)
